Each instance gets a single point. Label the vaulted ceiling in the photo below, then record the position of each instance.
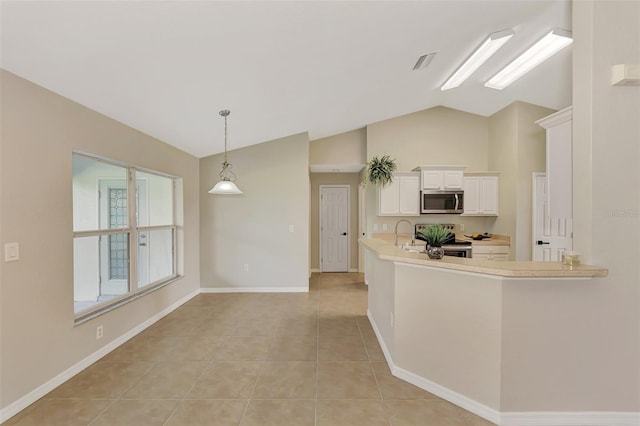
(166, 68)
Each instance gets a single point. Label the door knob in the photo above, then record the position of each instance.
(540, 242)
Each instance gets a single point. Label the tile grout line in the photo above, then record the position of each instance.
(375, 376)
(315, 414)
(184, 397)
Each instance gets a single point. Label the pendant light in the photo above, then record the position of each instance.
(227, 177)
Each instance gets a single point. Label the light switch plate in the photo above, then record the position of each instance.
(11, 252)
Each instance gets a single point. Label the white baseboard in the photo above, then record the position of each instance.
(534, 418)
(385, 350)
(582, 418)
(254, 289)
(354, 270)
(445, 393)
(28, 399)
(315, 270)
(350, 270)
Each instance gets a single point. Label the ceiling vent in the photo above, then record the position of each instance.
(424, 61)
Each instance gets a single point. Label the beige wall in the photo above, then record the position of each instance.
(516, 150)
(253, 228)
(39, 132)
(436, 136)
(606, 207)
(345, 148)
(351, 179)
(503, 133)
(531, 158)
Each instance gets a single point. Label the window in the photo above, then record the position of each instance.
(120, 252)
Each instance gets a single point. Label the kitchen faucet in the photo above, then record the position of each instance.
(413, 234)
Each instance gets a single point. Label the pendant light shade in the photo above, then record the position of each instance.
(227, 176)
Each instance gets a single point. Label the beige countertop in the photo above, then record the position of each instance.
(387, 251)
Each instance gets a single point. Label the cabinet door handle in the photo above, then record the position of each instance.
(540, 242)
(344, 233)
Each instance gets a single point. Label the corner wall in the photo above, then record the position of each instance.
(606, 209)
(253, 228)
(517, 148)
(39, 131)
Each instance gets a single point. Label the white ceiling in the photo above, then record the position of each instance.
(326, 67)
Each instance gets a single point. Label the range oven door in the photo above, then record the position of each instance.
(439, 202)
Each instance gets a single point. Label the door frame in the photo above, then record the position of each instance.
(320, 218)
(534, 209)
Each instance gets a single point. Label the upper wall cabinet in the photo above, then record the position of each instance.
(402, 196)
(481, 194)
(442, 178)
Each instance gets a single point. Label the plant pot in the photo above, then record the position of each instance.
(435, 252)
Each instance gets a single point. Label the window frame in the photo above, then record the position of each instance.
(133, 231)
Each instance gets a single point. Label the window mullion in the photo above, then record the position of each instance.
(133, 227)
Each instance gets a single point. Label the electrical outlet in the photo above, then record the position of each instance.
(99, 332)
(246, 267)
(462, 226)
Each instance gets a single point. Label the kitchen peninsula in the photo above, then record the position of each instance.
(490, 336)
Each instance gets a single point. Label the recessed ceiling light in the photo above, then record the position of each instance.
(545, 48)
(424, 61)
(494, 42)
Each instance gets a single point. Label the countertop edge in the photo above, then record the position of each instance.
(507, 269)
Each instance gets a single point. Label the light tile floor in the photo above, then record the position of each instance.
(250, 359)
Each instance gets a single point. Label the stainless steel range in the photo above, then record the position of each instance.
(452, 247)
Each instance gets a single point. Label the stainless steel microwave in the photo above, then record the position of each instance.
(439, 202)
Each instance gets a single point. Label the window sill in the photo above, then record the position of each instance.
(82, 318)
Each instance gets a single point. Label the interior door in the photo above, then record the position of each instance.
(334, 228)
(551, 235)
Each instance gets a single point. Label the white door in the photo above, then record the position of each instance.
(551, 235)
(334, 228)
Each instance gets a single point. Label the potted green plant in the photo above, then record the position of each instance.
(435, 236)
(379, 171)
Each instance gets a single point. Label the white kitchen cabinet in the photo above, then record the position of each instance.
(489, 252)
(401, 197)
(440, 178)
(481, 195)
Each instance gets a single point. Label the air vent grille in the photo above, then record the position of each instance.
(424, 61)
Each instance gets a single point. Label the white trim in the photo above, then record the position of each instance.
(336, 168)
(582, 418)
(445, 393)
(385, 350)
(534, 418)
(556, 118)
(207, 290)
(350, 270)
(15, 407)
